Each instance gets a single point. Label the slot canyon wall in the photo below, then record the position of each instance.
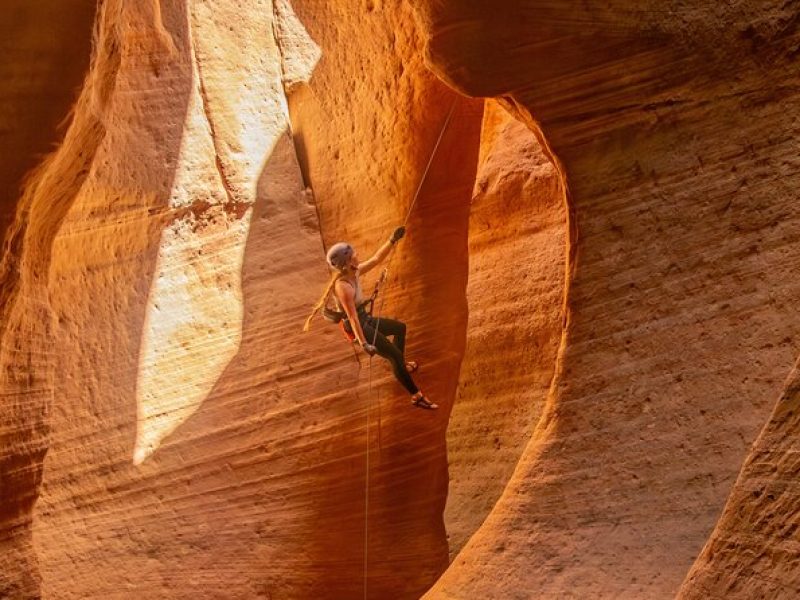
(178, 433)
(46, 47)
(35, 96)
(675, 125)
(517, 243)
(752, 552)
(604, 353)
(370, 153)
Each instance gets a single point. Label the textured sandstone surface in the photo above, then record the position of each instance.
(753, 552)
(196, 442)
(365, 128)
(676, 127)
(45, 47)
(515, 297)
(26, 362)
(599, 281)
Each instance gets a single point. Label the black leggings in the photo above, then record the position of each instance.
(393, 352)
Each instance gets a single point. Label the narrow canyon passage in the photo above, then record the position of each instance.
(44, 62)
(515, 292)
(677, 135)
(598, 280)
(32, 102)
(196, 442)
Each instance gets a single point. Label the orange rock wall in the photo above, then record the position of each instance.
(45, 47)
(366, 158)
(515, 297)
(365, 127)
(26, 357)
(200, 443)
(181, 433)
(183, 438)
(674, 125)
(752, 552)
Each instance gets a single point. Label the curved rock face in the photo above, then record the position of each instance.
(183, 437)
(45, 46)
(182, 373)
(674, 126)
(515, 296)
(753, 550)
(598, 280)
(34, 98)
(369, 154)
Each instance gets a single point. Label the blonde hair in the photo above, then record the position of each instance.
(335, 276)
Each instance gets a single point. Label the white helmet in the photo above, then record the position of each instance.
(339, 255)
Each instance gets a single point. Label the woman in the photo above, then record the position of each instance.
(370, 332)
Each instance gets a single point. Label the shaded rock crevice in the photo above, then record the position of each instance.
(45, 62)
(515, 291)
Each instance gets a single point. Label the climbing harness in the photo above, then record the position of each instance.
(339, 317)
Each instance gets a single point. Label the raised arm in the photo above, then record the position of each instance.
(382, 252)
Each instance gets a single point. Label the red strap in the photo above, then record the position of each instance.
(351, 337)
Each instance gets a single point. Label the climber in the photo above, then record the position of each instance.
(357, 320)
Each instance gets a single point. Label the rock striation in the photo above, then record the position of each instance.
(598, 280)
(46, 46)
(674, 126)
(515, 295)
(752, 552)
(177, 432)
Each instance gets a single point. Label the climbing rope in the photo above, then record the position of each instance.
(375, 337)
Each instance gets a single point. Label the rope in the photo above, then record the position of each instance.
(411, 207)
(430, 161)
(366, 486)
(375, 337)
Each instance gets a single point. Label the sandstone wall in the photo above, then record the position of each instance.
(752, 552)
(181, 434)
(515, 291)
(45, 47)
(674, 125)
(183, 438)
(26, 357)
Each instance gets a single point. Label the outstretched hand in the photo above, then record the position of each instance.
(398, 234)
